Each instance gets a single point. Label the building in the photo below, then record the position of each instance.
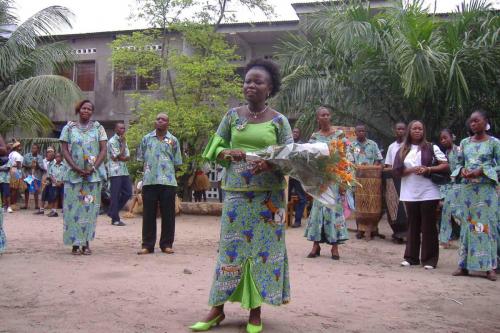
(93, 71)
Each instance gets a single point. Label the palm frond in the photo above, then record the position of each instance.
(29, 100)
(24, 39)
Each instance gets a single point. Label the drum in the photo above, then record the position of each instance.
(368, 199)
(396, 213)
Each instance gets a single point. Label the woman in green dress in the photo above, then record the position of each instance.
(252, 264)
(478, 172)
(84, 149)
(449, 192)
(326, 224)
(3, 240)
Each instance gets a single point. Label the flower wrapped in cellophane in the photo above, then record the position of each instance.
(317, 166)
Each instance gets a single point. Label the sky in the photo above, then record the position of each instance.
(109, 15)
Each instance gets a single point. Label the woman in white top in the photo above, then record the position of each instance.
(16, 175)
(421, 196)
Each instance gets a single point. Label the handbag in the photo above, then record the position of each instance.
(438, 178)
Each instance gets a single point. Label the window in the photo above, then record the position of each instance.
(85, 75)
(145, 83)
(82, 73)
(129, 80)
(125, 80)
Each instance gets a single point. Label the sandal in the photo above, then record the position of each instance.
(314, 254)
(75, 251)
(86, 251)
(491, 275)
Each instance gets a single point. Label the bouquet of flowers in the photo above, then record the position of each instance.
(317, 166)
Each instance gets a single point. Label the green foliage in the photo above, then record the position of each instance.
(28, 90)
(133, 53)
(398, 64)
(205, 82)
(161, 13)
(43, 143)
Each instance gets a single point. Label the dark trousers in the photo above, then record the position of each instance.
(55, 193)
(422, 220)
(295, 187)
(121, 192)
(152, 195)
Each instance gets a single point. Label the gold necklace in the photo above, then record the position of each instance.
(256, 114)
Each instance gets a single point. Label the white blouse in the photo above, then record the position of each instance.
(391, 152)
(416, 187)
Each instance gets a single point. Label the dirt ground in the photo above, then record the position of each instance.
(43, 288)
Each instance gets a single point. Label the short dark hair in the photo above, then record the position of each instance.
(482, 112)
(446, 130)
(79, 105)
(120, 122)
(399, 123)
(271, 68)
(324, 106)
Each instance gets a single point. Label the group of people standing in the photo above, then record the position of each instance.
(252, 261)
(252, 264)
(31, 173)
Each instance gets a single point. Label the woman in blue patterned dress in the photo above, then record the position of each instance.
(478, 172)
(252, 264)
(326, 225)
(449, 192)
(84, 149)
(3, 240)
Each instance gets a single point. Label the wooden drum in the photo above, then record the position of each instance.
(368, 199)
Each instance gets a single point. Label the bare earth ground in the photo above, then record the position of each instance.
(45, 289)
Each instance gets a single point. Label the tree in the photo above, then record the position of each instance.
(28, 89)
(399, 64)
(165, 17)
(205, 83)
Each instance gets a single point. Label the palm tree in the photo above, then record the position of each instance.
(29, 56)
(401, 63)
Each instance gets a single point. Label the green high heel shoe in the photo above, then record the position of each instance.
(205, 326)
(254, 328)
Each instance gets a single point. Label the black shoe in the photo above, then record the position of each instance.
(53, 214)
(39, 212)
(118, 223)
(296, 225)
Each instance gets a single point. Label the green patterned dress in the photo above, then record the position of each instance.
(478, 211)
(450, 194)
(82, 197)
(252, 263)
(327, 225)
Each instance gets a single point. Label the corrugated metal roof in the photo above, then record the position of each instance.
(223, 25)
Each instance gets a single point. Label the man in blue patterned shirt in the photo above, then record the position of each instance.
(121, 186)
(364, 150)
(160, 151)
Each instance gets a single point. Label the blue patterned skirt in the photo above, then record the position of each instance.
(479, 217)
(451, 205)
(327, 225)
(81, 206)
(252, 263)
